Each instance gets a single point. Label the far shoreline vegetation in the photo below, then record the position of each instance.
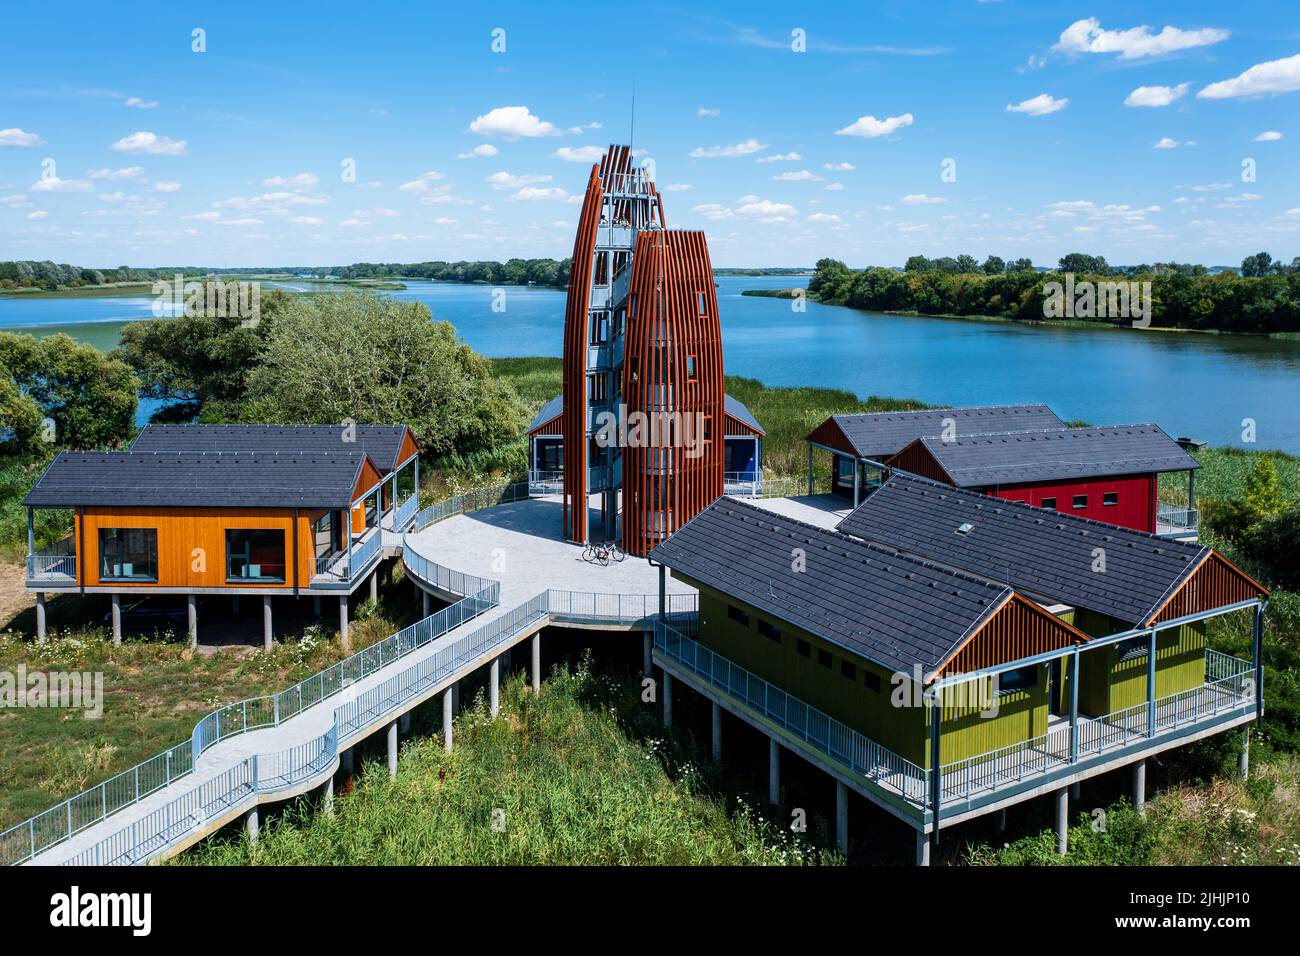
(1261, 298)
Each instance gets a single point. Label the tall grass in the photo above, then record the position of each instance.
(563, 777)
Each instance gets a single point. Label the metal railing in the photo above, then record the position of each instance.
(1176, 518)
(59, 560)
(780, 487)
(545, 482)
(623, 608)
(405, 512)
(841, 743)
(470, 501)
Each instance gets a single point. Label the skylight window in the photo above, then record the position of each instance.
(965, 528)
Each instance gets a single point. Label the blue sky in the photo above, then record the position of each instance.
(1013, 128)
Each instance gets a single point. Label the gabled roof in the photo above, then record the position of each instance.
(186, 479)
(877, 435)
(979, 461)
(738, 410)
(383, 443)
(731, 406)
(892, 609)
(1042, 554)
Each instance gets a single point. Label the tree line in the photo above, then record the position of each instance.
(547, 272)
(1263, 298)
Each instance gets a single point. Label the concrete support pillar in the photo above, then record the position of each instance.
(346, 762)
(447, 720)
(842, 817)
(494, 687)
(717, 732)
(1062, 820)
(267, 640)
(40, 615)
(344, 638)
(192, 607)
(668, 699)
(923, 849)
(315, 604)
(392, 751)
(1243, 758)
(250, 825)
(537, 662)
(425, 601)
(1140, 786)
(117, 619)
(404, 723)
(773, 771)
(647, 646)
(1000, 822)
(374, 585)
(327, 797)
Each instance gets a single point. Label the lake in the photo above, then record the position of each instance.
(1198, 385)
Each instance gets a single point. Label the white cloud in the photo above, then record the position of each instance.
(17, 137)
(579, 154)
(780, 158)
(871, 128)
(1087, 36)
(151, 143)
(839, 167)
(823, 217)
(306, 220)
(712, 210)
(678, 187)
(141, 104)
(15, 201)
(747, 148)
(422, 183)
(53, 184)
(246, 221)
(802, 176)
(377, 213)
(753, 206)
(504, 180)
(445, 221)
(166, 186)
(1268, 136)
(481, 151)
(510, 123)
(274, 202)
(1166, 143)
(1275, 76)
(128, 172)
(538, 194)
(1039, 105)
(1156, 95)
(579, 130)
(921, 199)
(204, 216)
(38, 214)
(1240, 198)
(706, 111)
(297, 181)
(111, 197)
(835, 187)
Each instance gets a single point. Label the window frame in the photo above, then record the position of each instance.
(1074, 502)
(105, 565)
(260, 579)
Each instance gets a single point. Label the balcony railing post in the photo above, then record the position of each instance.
(1151, 684)
(1074, 707)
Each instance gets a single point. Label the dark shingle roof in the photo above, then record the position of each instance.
(877, 435)
(383, 443)
(733, 407)
(977, 461)
(894, 610)
(1042, 554)
(181, 479)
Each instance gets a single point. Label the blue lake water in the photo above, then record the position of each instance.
(1197, 385)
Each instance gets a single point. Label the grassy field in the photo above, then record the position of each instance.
(581, 773)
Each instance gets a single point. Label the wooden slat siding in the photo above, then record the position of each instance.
(181, 530)
(409, 448)
(1215, 582)
(576, 310)
(553, 426)
(916, 458)
(734, 427)
(1019, 628)
(830, 434)
(669, 271)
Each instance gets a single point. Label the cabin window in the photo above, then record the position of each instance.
(1080, 501)
(599, 329)
(128, 554)
(327, 539)
(1110, 498)
(737, 615)
(1049, 504)
(1022, 678)
(805, 649)
(255, 554)
(848, 670)
(1133, 648)
(770, 631)
(872, 681)
(823, 657)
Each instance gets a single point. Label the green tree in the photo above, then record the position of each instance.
(89, 396)
(918, 264)
(967, 264)
(1263, 491)
(830, 281)
(994, 266)
(1256, 265)
(1020, 265)
(372, 360)
(1081, 263)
